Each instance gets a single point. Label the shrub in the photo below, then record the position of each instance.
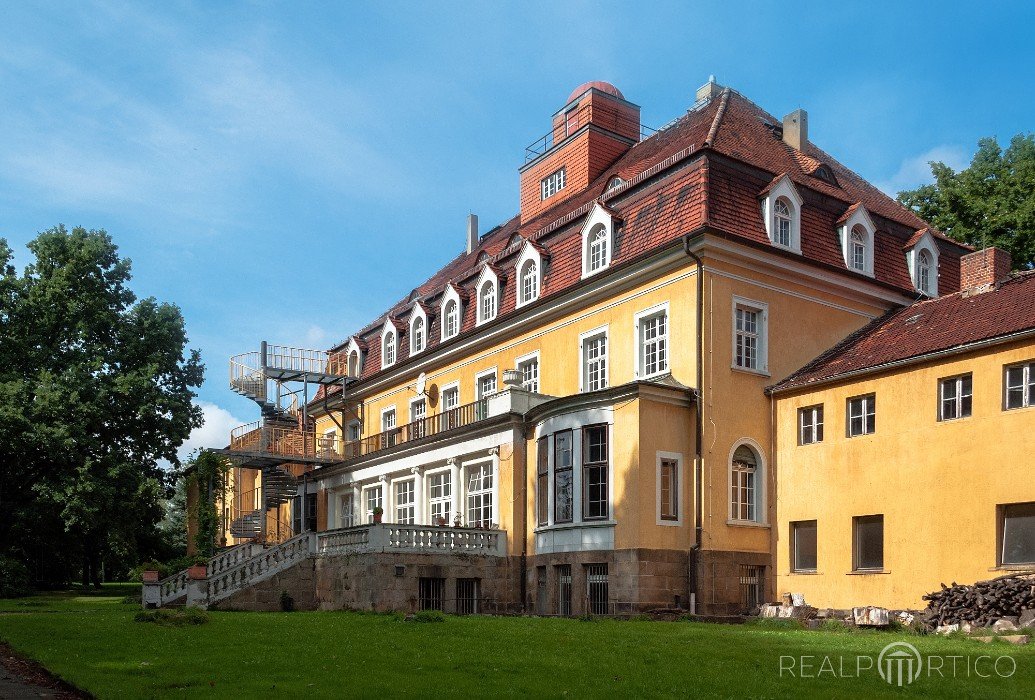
(175, 617)
(429, 616)
(14, 578)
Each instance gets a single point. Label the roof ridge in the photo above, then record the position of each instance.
(717, 119)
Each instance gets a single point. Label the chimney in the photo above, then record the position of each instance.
(796, 129)
(709, 90)
(472, 232)
(984, 268)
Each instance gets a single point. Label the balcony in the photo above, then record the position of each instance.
(570, 123)
(444, 422)
(411, 539)
(266, 443)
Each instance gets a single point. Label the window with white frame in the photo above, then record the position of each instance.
(598, 253)
(328, 443)
(348, 511)
(955, 397)
(354, 431)
(418, 412)
(388, 432)
(487, 301)
(862, 415)
(440, 498)
(668, 489)
(750, 333)
(479, 495)
(404, 502)
(857, 249)
(652, 332)
(594, 472)
(563, 477)
(353, 366)
(924, 272)
(1019, 386)
(417, 335)
(782, 222)
(451, 319)
(810, 425)
(745, 484)
(552, 184)
(372, 496)
(529, 281)
(542, 481)
(529, 369)
(594, 362)
(388, 349)
(485, 386)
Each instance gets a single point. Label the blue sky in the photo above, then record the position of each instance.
(285, 171)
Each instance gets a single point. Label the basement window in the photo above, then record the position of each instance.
(596, 588)
(552, 184)
(431, 593)
(1017, 533)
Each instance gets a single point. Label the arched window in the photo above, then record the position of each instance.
(745, 485)
(782, 222)
(487, 301)
(353, 368)
(388, 353)
(598, 250)
(615, 182)
(923, 272)
(857, 251)
(450, 320)
(417, 335)
(529, 282)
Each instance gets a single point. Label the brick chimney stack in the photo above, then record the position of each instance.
(984, 268)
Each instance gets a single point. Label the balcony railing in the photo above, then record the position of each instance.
(568, 124)
(420, 539)
(285, 441)
(447, 420)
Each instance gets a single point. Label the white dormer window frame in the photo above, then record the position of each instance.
(865, 231)
(529, 275)
(598, 241)
(352, 350)
(450, 297)
(418, 330)
(926, 244)
(488, 296)
(782, 204)
(389, 341)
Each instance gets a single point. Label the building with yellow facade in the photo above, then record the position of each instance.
(900, 451)
(570, 416)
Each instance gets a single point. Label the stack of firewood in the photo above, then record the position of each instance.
(983, 603)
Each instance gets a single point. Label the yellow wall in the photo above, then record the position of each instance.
(937, 483)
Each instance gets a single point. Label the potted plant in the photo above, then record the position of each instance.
(378, 513)
(198, 570)
(456, 520)
(441, 521)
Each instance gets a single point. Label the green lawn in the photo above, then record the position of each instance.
(93, 642)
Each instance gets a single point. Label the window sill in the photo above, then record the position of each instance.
(1014, 567)
(656, 375)
(747, 523)
(805, 573)
(868, 572)
(572, 526)
(748, 370)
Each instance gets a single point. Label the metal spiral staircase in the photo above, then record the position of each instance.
(281, 380)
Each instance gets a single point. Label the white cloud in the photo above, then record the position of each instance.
(916, 171)
(215, 432)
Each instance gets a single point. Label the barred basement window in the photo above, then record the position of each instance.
(467, 596)
(803, 545)
(563, 480)
(552, 184)
(862, 415)
(955, 397)
(752, 586)
(431, 593)
(564, 590)
(440, 497)
(1020, 386)
(596, 589)
(810, 425)
(594, 472)
(542, 495)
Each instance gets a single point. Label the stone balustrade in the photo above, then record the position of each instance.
(416, 539)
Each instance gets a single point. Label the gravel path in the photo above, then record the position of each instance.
(21, 678)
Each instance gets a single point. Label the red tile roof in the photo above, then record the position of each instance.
(924, 328)
(707, 168)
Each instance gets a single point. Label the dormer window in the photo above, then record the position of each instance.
(450, 313)
(418, 330)
(353, 366)
(597, 241)
(488, 295)
(388, 347)
(781, 212)
(552, 184)
(615, 182)
(922, 258)
(529, 274)
(857, 233)
(354, 358)
(923, 271)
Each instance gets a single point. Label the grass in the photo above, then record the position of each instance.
(93, 642)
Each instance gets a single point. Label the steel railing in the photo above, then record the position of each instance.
(285, 441)
(450, 419)
(568, 124)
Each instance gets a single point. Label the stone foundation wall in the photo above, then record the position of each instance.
(719, 586)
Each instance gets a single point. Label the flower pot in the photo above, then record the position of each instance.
(441, 522)
(377, 519)
(149, 576)
(197, 572)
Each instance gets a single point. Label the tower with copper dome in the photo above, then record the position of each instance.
(589, 133)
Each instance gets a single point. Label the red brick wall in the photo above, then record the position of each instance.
(984, 267)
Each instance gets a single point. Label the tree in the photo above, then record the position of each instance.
(990, 203)
(95, 390)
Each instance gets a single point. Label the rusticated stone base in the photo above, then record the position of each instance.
(723, 579)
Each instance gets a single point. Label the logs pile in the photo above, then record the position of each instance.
(982, 603)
